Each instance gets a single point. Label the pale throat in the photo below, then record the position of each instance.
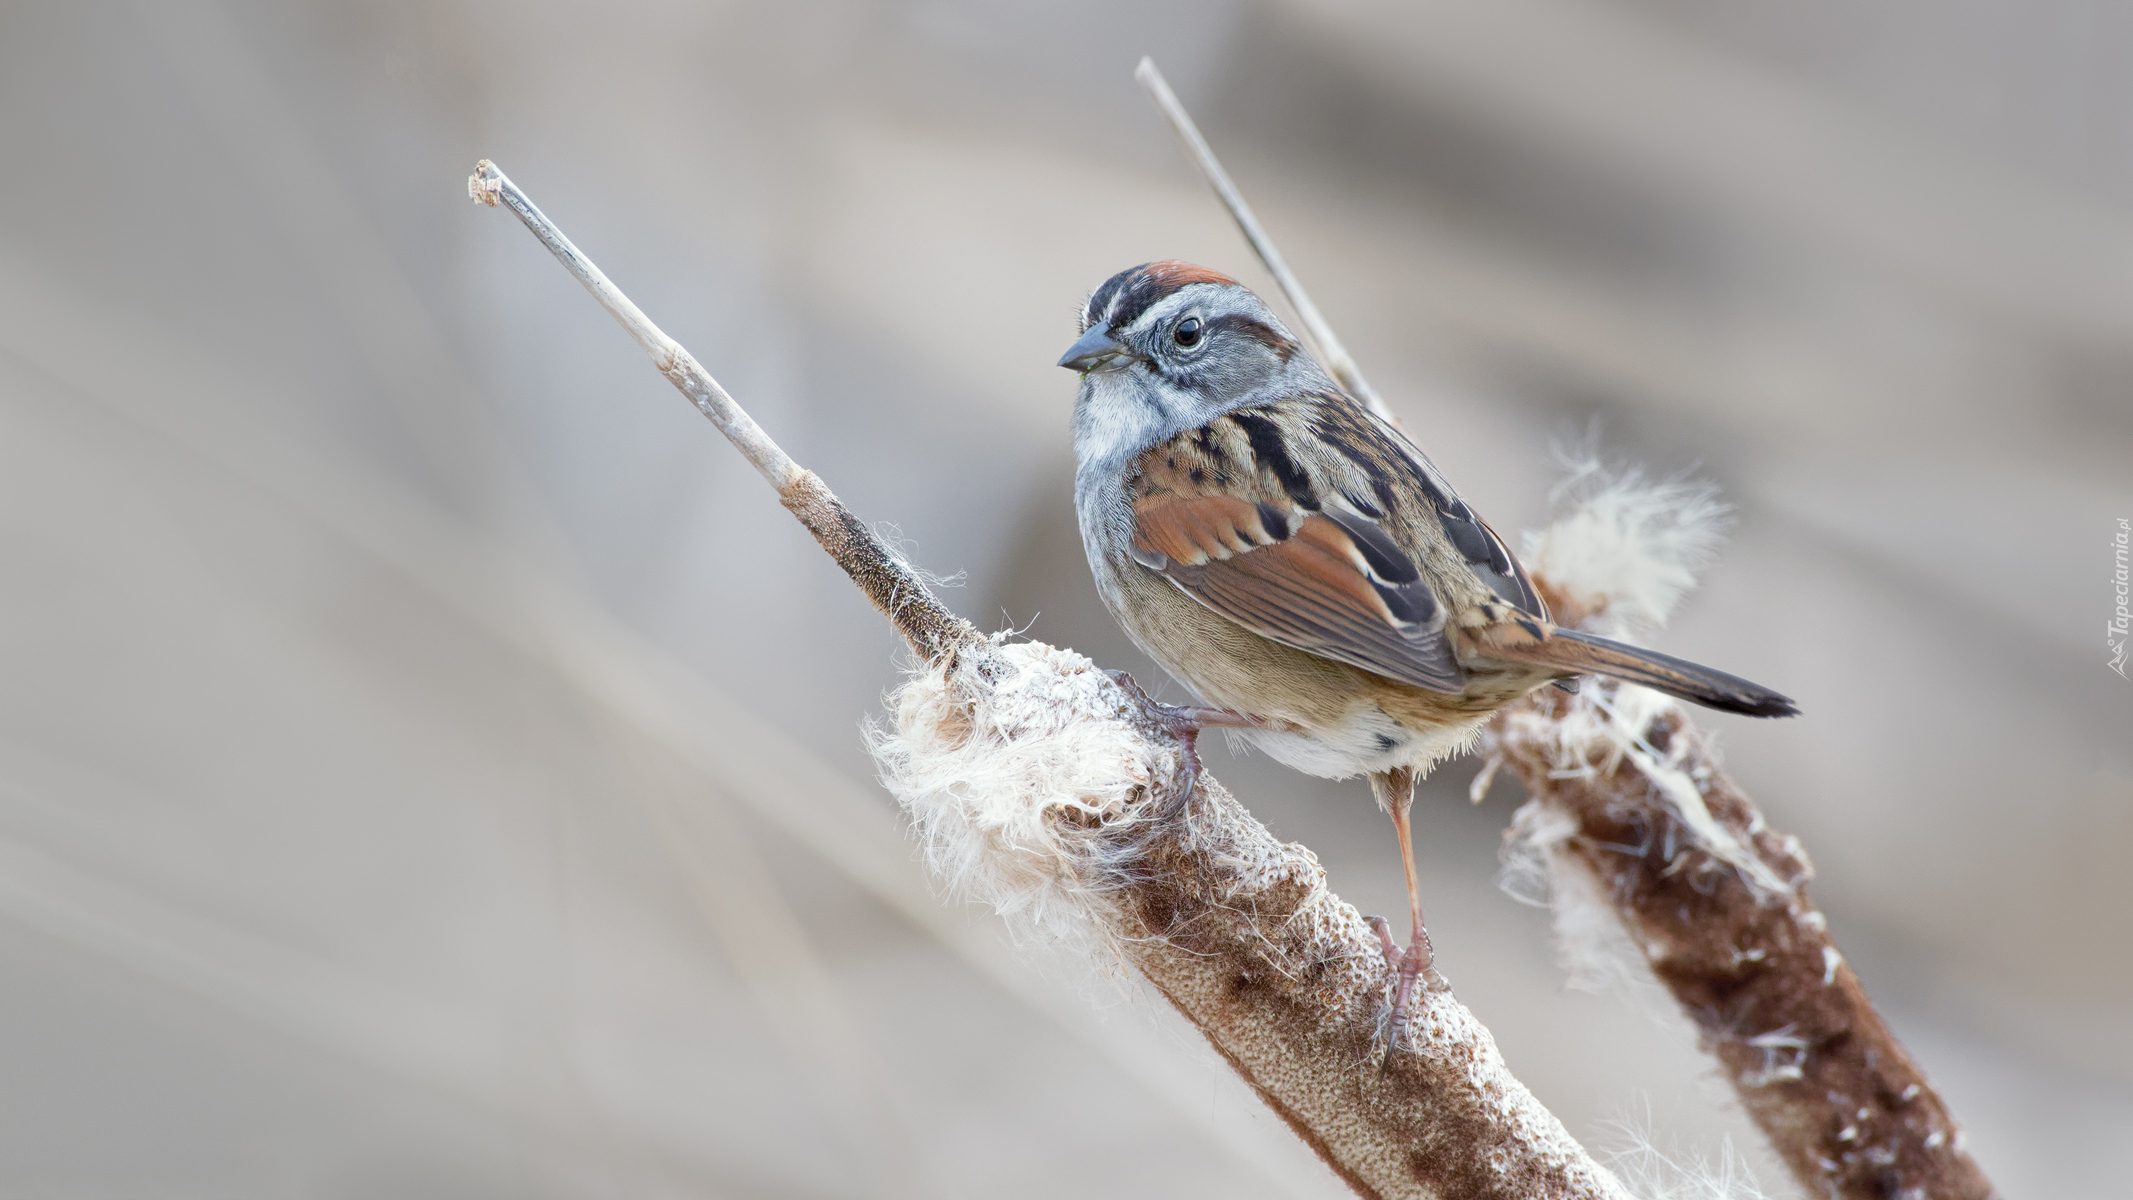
(1123, 412)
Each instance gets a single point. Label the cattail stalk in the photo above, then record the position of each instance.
(1624, 801)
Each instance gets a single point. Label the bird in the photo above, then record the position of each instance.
(1299, 563)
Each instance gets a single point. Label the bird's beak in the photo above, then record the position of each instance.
(1097, 351)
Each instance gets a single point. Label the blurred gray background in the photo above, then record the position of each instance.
(429, 757)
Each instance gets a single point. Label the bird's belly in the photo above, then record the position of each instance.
(1344, 721)
(1369, 743)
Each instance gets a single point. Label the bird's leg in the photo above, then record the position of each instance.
(1184, 722)
(1395, 790)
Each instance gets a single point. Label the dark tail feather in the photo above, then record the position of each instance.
(1585, 654)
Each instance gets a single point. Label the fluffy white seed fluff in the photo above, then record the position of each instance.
(1006, 777)
(1595, 731)
(1594, 950)
(1658, 1175)
(1627, 545)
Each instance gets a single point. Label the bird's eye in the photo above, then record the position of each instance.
(1187, 333)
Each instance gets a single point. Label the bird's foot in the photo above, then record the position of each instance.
(1185, 721)
(1189, 719)
(1408, 967)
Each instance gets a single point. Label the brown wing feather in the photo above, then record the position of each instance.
(1194, 529)
(1299, 594)
(1232, 537)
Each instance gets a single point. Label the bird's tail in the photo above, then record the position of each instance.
(1575, 653)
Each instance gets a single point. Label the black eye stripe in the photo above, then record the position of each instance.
(1253, 328)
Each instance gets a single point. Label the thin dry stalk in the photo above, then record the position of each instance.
(1236, 929)
(1325, 344)
(885, 578)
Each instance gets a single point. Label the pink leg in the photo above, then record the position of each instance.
(1396, 791)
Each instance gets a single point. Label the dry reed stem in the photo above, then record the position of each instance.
(1239, 933)
(884, 578)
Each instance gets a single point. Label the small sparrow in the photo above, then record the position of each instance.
(1300, 564)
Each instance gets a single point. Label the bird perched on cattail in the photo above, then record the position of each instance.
(1299, 563)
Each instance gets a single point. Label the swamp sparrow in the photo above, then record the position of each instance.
(1299, 563)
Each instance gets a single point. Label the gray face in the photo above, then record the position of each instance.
(1160, 360)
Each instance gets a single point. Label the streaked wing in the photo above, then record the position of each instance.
(1398, 471)
(1227, 515)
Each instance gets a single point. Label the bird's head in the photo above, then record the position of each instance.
(1182, 328)
(1169, 346)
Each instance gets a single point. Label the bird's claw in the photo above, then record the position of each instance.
(1383, 929)
(1185, 721)
(1409, 967)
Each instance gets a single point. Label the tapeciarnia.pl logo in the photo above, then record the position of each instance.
(2115, 632)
